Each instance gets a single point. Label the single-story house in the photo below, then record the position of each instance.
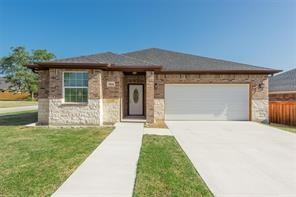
(149, 85)
(282, 87)
(8, 95)
(4, 85)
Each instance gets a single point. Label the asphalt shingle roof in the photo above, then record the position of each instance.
(105, 58)
(168, 60)
(175, 61)
(283, 82)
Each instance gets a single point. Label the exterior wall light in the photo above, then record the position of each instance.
(261, 85)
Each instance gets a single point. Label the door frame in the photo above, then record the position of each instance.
(128, 103)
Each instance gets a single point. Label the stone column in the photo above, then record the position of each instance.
(149, 96)
(260, 100)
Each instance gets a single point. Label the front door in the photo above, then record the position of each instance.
(136, 100)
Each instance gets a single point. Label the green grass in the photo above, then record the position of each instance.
(284, 127)
(5, 104)
(35, 161)
(18, 118)
(164, 170)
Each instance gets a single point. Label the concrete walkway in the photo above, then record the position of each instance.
(157, 131)
(18, 109)
(240, 159)
(111, 169)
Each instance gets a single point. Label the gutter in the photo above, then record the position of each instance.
(283, 92)
(271, 71)
(139, 68)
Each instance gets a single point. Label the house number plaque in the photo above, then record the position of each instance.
(111, 84)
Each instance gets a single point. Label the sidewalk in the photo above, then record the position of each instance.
(18, 109)
(111, 169)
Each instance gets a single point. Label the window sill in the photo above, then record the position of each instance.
(72, 103)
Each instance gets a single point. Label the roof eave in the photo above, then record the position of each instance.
(127, 68)
(282, 91)
(271, 71)
(112, 67)
(47, 65)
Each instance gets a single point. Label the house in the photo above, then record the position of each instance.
(149, 85)
(283, 86)
(7, 95)
(282, 98)
(3, 84)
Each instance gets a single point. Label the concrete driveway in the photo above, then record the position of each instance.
(240, 158)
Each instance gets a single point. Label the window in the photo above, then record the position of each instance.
(76, 87)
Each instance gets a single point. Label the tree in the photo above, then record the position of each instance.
(22, 78)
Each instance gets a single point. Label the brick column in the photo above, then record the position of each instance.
(149, 96)
(95, 84)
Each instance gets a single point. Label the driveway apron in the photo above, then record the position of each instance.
(111, 169)
(240, 158)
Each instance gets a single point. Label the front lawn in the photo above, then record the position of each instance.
(164, 170)
(18, 118)
(285, 127)
(5, 104)
(36, 161)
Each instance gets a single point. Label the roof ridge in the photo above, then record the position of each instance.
(82, 56)
(193, 55)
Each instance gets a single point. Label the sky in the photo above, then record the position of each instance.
(257, 32)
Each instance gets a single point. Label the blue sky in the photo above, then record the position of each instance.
(258, 32)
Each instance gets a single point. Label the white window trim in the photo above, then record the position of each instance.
(73, 71)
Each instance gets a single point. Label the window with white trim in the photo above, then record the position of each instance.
(75, 87)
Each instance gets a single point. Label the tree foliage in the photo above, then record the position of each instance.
(13, 67)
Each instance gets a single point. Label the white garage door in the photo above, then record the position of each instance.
(206, 101)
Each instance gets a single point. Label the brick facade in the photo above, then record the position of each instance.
(150, 97)
(259, 95)
(43, 93)
(43, 90)
(112, 96)
(109, 104)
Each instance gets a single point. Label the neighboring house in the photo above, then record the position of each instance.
(149, 85)
(7, 95)
(282, 98)
(282, 87)
(3, 84)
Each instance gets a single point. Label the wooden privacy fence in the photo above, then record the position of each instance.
(282, 112)
(11, 96)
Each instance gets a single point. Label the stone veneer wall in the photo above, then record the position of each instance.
(74, 114)
(112, 96)
(61, 113)
(43, 111)
(282, 97)
(259, 96)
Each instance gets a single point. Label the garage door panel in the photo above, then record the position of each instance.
(206, 101)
